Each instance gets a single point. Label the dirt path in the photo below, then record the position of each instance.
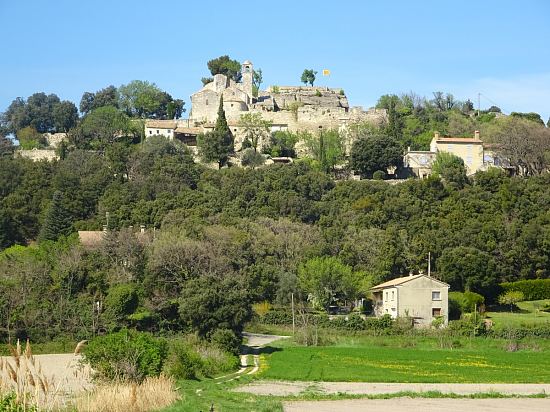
(257, 340)
(421, 404)
(286, 388)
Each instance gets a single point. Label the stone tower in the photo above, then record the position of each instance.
(247, 71)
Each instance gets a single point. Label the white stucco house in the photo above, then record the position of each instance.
(420, 297)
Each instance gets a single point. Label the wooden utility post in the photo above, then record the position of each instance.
(293, 317)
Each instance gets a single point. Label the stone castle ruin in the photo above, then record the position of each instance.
(293, 108)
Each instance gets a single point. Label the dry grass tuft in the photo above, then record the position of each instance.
(152, 394)
(22, 375)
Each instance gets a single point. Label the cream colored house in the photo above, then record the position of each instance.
(420, 297)
(470, 149)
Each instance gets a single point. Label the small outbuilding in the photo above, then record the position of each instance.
(419, 297)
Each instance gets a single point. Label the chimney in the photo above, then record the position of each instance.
(436, 135)
(142, 228)
(476, 134)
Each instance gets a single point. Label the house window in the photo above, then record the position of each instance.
(436, 295)
(450, 147)
(158, 132)
(206, 104)
(387, 296)
(469, 160)
(392, 295)
(150, 132)
(436, 312)
(469, 147)
(234, 130)
(169, 131)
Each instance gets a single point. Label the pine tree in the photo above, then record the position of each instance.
(57, 222)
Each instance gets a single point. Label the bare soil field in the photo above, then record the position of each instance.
(286, 388)
(64, 371)
(422, 404)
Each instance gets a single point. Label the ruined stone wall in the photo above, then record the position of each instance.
(38, 154)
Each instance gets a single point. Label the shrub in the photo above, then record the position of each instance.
(183, 362)
(466, 301)
(191, 358)
(379, 175)
(511, 298)
(318, 93)
(121, 301)
(226, 340)
(126, 355)
(468, 325)
(535, 289)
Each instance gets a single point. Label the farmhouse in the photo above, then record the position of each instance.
(477, 156)
(419, 297)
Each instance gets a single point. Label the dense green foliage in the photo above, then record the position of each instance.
(533, 289)
(126, 355)
(264, 234)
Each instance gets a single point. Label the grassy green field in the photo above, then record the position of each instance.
(363, 360)
(530, 314)
(201, 395)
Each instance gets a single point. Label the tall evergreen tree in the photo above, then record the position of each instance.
(216, 146)
(57, 222)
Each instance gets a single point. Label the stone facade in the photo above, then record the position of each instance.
(292, 108)
(38, 154)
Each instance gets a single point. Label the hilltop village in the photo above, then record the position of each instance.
(160, 233)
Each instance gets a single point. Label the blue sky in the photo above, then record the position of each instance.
(498, 48)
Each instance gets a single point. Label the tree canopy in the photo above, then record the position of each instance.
(224, 65)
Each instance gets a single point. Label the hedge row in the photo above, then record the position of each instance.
(352, 322)
(535, 289)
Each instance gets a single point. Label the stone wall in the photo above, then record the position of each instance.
(38, 154)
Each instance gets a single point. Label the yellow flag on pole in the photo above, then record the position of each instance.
(326, 72)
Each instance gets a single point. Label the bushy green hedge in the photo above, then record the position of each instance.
(191, 358)
(534, 331)
(353, 322)
(535, 289)
(126, 355)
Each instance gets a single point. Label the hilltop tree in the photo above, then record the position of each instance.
(224, 65)
(327, 148)
(6, 146)
(308, 76)
(256, 129)
(216, 146)
(257, 79)
(105, 97)
(144, 99)
(57, 222)
(45, 113)
(375, 152)
(101, 127)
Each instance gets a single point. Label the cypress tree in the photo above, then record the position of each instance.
(57, 222)
(218, 144)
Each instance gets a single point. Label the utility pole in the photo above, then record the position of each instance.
(429, 263)
(478, 103)
(293, 318)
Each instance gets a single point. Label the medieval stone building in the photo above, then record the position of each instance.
(292, 108)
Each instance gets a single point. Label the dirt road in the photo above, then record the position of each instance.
(286, 388)
(422, 404)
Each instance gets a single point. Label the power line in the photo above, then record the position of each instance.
(492, 102)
